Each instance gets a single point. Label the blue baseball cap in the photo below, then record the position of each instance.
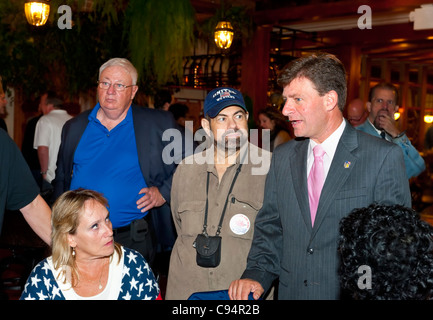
(221, 98)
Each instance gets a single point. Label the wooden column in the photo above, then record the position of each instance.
(354, 73)
(419, 143)
(255, 69)
(350, 56)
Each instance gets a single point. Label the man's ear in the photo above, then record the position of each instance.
(205, 125)
(134, 91)
(331, 100)
(368, 105)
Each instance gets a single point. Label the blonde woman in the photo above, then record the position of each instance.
(86, 263)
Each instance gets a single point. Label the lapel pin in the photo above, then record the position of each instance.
(346, 164)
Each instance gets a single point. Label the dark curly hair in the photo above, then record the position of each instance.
(398, 247)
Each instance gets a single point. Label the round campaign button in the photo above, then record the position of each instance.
(240, 224)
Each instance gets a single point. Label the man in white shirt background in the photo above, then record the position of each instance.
(48, 135)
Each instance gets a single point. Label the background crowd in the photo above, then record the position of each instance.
(274, 215)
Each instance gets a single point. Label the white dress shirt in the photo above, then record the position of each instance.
(329, 145)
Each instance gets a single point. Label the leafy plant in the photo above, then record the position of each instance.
(153, 34)
(160, 34)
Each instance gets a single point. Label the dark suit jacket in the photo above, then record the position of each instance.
(149, 126)
(364, 169)
(3, 125)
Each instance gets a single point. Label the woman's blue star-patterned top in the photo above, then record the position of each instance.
(137, 280)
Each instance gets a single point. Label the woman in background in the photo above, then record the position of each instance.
(271, 118)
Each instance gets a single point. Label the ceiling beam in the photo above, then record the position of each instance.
(314, 12)
(379, 34)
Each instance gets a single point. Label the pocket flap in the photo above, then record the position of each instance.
(207, 245)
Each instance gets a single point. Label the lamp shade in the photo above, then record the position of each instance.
(37, 12)
(224, 34)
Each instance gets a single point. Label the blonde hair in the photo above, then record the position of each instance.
(124, 63)
(65, 218)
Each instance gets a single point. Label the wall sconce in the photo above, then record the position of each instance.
(37, 12)
(428, 119)
(398, 113)
(224, 34)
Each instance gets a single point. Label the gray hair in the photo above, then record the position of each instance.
(124, 63)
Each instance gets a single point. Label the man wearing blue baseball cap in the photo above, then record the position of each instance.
(215, 197)
(221, 105)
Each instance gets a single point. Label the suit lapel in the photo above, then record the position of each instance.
(141, 135)
(298, 165)
(340, 170)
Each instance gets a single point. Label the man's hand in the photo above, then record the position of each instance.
(152, 198)
(240, 289)
(387, 123)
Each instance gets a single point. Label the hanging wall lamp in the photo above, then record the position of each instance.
(428, 118)
(37, 12)
(224, 34)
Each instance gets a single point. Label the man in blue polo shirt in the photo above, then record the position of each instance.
(116, 148)
(105, 156)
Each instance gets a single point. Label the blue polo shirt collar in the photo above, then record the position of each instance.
(94, 113)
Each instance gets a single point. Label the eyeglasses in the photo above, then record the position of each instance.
(117, 86)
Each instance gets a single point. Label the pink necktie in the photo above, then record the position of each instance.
(316, 180)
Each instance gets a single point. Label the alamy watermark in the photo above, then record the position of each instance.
(364, 280)
(65, 20)
(204, 153)
(225, 151)
(364, 21)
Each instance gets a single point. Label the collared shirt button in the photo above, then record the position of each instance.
(310, 250)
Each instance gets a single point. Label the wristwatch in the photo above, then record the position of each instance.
(401, 134)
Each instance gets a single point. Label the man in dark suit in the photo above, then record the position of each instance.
(117, 149)
(359, 169)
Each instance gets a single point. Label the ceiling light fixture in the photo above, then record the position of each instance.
(224, 34)
(37, 12)
(428, 118)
